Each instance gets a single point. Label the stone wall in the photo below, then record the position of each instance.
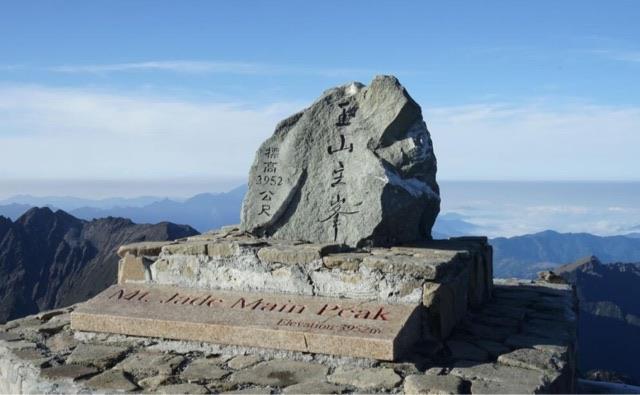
(447, 276)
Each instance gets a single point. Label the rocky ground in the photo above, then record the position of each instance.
(521, 342)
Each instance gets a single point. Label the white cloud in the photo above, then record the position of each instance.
(206, 67)
(50, 132)
(178, 66)
(74, 133)
(10, 67)
(542, 140)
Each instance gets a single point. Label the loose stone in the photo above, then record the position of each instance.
(524, 378)
(402, 368)
(74, 372)
(182, 389)
(203, 370)
(495, 387)
(151, 383)
(29, 331)
(47, 315)
(100, 356)
(9, 337)
(431, 384)
(243, 361)
(252, 391)
(365, 378)
(541, 343)
(145, 364)
(314, 388)
(20, 344)
(529, 358)
(281, 373)
(29, 354)
(52, 328)
(61, 342)
(114, 380)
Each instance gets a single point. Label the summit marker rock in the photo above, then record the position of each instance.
(356, 167)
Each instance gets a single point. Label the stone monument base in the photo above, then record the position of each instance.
(324, 298)
(521, 341)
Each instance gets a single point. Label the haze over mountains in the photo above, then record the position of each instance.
(519, 256)
(490, 208)
(203, 212)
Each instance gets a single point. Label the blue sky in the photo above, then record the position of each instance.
(138, 90)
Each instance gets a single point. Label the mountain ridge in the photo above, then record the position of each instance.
(50, 259)
(609, 313)
(523, 256)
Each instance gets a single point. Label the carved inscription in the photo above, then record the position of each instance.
(316, 324)
(338, 205)
(327, 310)
(363, 329)
(268, 179)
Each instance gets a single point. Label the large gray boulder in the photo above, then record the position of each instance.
(357, 167)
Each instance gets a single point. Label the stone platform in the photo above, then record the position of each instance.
(521, 341)
(445, 277)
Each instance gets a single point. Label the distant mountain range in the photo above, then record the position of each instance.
(69, 203)
(609, 319)
(520, 256)
(51, 259)
(203, 212)
(524, 256)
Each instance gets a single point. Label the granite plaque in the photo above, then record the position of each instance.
(348, 327)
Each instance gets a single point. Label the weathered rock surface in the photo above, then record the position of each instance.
(367, 378)
(357, 167)
(73, 372)
(243, 361)
(314, 388)
(113, 380)
(281, 373)
(203, 370)
(182, 389)
(432, 384)
(98, 355)
(146, 364)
